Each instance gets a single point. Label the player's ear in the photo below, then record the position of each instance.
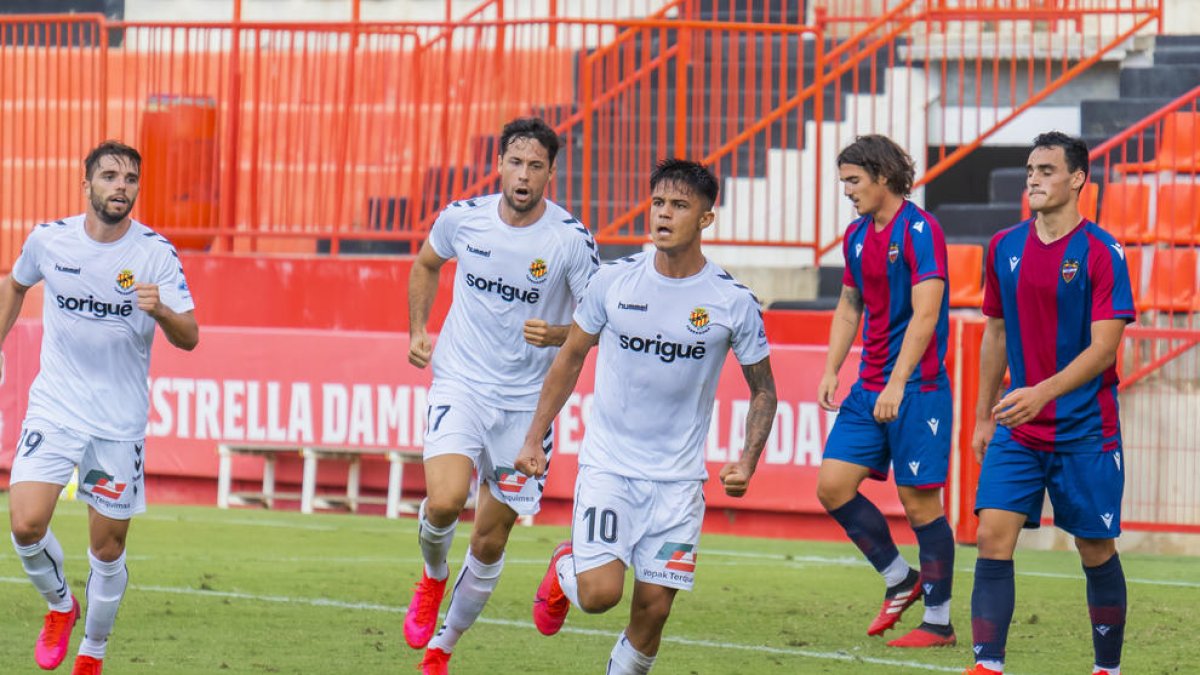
(707, 218)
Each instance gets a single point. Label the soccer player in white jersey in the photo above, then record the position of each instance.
(523, 262)
(665, 321)
(109, 281)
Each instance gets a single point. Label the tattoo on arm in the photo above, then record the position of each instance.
(853, 296)
(763, 402)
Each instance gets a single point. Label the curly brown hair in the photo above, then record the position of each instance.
(881, 156)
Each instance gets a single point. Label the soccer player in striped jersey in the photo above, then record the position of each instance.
(523, 263)
(665, 321)
(109, 281)
(1057, 299)
(899, 412)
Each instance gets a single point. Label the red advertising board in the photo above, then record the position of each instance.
(303, 387)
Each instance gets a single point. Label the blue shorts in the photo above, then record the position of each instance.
(1085, 487)
(917, 443)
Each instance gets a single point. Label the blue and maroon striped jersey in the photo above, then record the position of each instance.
(1048, 296)
(884, 266)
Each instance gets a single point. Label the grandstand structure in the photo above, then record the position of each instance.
(305, 157)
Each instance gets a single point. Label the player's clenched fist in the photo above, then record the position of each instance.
(147, 299)
(531, 461)
(539, 333)
(420, 349)
(735, 478)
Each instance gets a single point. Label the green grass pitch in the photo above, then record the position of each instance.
(249, 591)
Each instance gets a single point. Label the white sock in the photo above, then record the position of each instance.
(565, 567)
(474, 586)
(625, 660)
(435, 545)
(939, 614)
(896, 572)
(43, 563)
(105, 588)
(1110, 671)
(997, 666)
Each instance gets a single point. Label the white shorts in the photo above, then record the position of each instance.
(652, 526)
(458, 424)
(111, 479)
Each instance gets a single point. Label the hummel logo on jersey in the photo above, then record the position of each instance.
(505, 291)
(858, 250)
(633, 307)
(919, 226)
(665, 350)
(933, 423)
(1117, 459)
(1013, 262)
(1119, 249)
(1107, 518)
(67, 270)
(478, 251)
(914, 467)
(97, 308)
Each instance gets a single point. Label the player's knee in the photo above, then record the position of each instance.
(109, 549)
(596, 599)
(654, 610)
(488, 547)
(443, 510)
(833, 495)
(27, 531)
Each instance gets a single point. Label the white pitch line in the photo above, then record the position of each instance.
(683, 641)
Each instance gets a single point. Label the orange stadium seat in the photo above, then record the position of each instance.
(1178, 147)
(966, 274)
(1177, 214)
(1133, 260)
(1125, 212)
(1087, 200)
(1173, 281)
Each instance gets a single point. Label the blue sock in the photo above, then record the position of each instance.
(937, 561)
(992, 604)
(868, 529)
(1106, 604)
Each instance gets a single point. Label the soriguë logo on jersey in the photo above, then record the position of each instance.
(666, 350)
(97, 308)
(507, 292)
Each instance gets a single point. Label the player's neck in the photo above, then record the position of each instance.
(515, 218)
(1054, 225)
(679, 264)
(100, 231)
(887, 211)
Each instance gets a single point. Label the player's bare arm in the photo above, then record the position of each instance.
(12, 297)
(841, 336)
(180, 328)
(422, 289)
(540, 333)
(557, 387)
(1024, 404)
(735, 476)
(992, 364)
(927, 305)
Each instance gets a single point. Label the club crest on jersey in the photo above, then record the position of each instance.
(893, 252)
(125, 282)
(537, 271)
(698, 320)
(1069, 269)
(679, 557)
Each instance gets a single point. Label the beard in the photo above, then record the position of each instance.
(106, 216)
(534, 200)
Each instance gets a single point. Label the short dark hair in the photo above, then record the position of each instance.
(1075, 149)
(693, 175)
(530, 127)
(880, 156)
(110, 147)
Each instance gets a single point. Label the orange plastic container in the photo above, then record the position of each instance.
(179, 169)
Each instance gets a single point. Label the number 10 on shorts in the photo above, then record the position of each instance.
(608, 525)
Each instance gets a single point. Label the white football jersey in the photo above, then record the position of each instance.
(662, 344)
(505, 276)
(95, 341)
